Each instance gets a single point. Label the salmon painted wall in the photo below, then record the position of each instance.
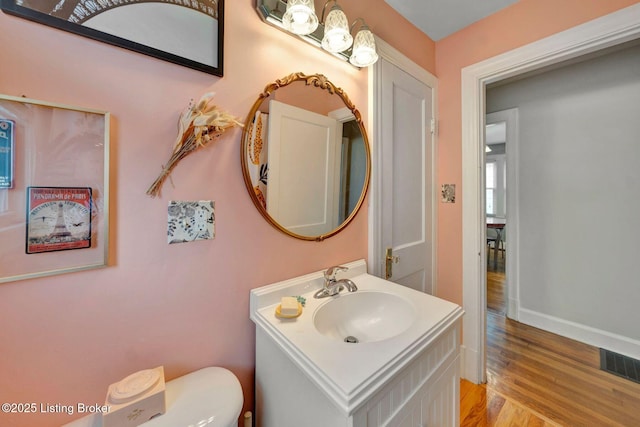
(517, 25)
(65, 338)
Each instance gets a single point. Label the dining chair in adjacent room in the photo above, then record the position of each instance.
(492, 240)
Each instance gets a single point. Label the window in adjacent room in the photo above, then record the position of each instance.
(496, 200)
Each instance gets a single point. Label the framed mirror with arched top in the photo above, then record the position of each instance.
(305, 156)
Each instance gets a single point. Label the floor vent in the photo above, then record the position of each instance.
(622, 366)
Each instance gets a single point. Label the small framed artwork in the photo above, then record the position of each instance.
(58, 219)
(185, 32)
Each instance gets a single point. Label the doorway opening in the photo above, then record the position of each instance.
(496, 214)
(610, 30)
(501, 209)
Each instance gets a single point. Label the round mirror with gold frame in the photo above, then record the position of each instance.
(305, 156)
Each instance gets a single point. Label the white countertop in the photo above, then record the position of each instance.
(348, 373)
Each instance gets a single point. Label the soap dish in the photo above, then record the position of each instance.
(289, 316)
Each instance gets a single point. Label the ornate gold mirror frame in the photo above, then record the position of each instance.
(254, 154)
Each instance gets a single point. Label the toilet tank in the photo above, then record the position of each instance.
(209, 397)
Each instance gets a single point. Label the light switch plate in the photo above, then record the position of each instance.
(190, 221)
(448, 193)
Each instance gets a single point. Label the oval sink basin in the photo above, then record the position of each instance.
(367, 316)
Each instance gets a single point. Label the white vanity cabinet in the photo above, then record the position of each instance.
(424, 393)
(306, 379)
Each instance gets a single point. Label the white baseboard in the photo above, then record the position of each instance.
(513, 309)
(586, 334)
(469, 369)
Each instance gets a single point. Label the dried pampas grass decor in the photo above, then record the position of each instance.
(199, 124)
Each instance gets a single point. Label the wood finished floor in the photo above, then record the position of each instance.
(535, 378)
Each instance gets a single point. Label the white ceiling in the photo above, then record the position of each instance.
(440, 18)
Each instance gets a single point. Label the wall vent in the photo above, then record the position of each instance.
(622, 366)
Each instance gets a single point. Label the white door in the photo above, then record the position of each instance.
(406, 176)
(304, 169)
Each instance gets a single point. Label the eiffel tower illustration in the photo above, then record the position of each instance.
(60, 230)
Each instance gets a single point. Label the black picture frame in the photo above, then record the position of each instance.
(199, 46)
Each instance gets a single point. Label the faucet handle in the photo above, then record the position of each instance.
(330, 274)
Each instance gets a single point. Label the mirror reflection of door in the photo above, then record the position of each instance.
(304, 157)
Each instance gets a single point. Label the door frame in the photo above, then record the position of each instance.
(610, 30)
(510, 116)
(376, 251)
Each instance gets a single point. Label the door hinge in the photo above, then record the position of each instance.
(434, 127)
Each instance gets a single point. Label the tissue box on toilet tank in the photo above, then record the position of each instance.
(136, 399)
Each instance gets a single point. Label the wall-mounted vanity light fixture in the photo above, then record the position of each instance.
(300, 17)
(331, 34)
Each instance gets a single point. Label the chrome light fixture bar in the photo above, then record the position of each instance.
(332, 34)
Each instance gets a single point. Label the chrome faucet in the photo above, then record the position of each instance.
(332, 286)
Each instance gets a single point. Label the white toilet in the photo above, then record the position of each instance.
(210, 397)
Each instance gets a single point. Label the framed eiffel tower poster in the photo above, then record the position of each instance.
(56, 197)
(58, 219)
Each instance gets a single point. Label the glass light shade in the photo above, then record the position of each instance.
(300, 17)
(364, 48)
(336, 31)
